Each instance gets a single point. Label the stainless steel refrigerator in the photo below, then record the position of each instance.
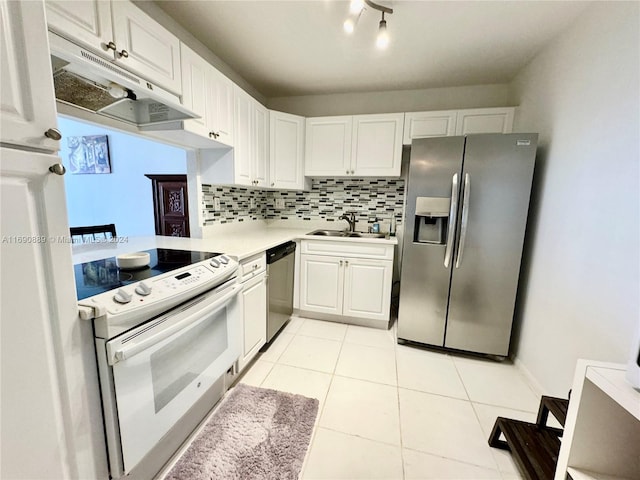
(466, 214)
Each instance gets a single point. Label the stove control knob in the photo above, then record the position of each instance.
(122, 297)
(143, 289)
(214, 263)
(224, 260)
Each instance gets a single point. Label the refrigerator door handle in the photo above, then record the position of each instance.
(465, 218)
(453, 212)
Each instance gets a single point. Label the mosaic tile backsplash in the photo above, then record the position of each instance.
(328, 199)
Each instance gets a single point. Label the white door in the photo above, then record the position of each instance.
(37, 296)
(428, 124)
(377, 145)
(221, 98)
(195, 90)
(88, 22)
(367, 288)
(146, 47)
(321, 284)
(27, 100)
(243, 111)
(328, 146)
(286, 150)
(261, 145)
(254, 318)
(484, 120)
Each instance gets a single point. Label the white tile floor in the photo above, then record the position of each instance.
(392, 411)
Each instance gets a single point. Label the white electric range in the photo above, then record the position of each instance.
(165, 336)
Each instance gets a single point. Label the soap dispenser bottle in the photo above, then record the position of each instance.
(375, 228)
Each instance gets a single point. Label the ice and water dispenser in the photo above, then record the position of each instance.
(431, 220)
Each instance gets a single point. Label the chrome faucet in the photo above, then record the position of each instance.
(350, 217)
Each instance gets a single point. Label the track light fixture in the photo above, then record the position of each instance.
(356, 8)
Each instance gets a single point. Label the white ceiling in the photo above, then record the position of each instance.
(286, 48)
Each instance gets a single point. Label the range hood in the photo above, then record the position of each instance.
(85, 80)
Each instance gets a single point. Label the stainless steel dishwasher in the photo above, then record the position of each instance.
(280, 272)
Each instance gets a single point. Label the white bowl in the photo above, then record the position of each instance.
(129, 261)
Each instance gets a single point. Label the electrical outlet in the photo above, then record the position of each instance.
(252, 203)
(280, 203)
(216, 204)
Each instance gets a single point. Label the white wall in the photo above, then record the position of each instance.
(581, 269)
(123, 197)
(448, 98)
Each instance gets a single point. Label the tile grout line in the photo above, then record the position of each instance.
(317, 426)
(395, 354)
(475, 413)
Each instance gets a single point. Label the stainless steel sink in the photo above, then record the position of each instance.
(329, 233)
(342, 233)
(365, 235)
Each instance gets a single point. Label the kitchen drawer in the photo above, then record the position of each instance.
(380, 251)
(252, 266)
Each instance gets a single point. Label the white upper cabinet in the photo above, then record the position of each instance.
(122, 32)
(242, 154)
(377, 145)
(260, 167)
(195, 90)
(328, 146)
(88, 21)
(457, 122)
(209, 94)
(28, 109)
(221, 106)
(484, 120)
(145, 46)
(359, 145)
(286, 151)
(428, 124)
(251, 141)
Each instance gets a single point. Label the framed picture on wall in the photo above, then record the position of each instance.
(89, 154)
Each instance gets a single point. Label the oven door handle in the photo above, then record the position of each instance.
(116, 353)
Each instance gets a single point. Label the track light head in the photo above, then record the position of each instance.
(382, 41)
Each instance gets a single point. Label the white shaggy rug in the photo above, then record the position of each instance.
(255, 433)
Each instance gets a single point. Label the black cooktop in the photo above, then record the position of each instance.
(103, 275)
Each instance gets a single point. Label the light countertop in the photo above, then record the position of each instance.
(241, 243)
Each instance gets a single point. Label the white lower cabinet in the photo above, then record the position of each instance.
(253, 300)
(367, 288)
(322, 284)
(334, 281)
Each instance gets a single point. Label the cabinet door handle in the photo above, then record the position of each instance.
(272, 184)
(109, 46)
(347, 172)
(352, 172)
(53, 134)
(346, 263)
(58, 169)
(122, 54)
(341, 262)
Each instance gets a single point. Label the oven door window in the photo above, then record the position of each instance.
(176, 365)
(161, 377)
